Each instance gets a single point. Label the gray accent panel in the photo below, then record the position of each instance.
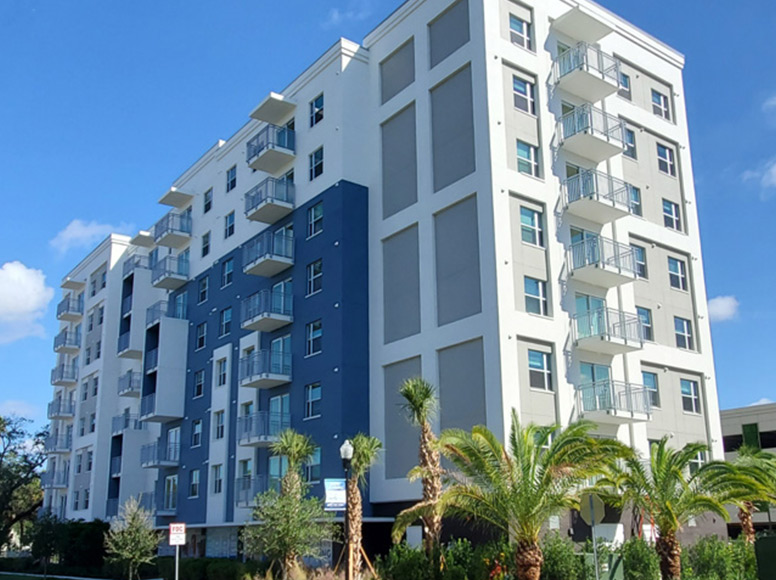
(397, 71)
(401, 438)
(457, 252)
(462, 385)
(452, 129)
(401, 285)
(400, 162)
(449, 32)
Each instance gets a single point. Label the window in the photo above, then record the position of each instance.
(539, 370)
(194, 483)
(535, 296)
(278, 466)
(630, 144)
(95, 385)
(196, 433)
(697, 462)
(524, 95)
(92, 422)
(312, 400)
(89, 460)
(75, 500)
(312, 470)
(205, 244)
(316, 110)
(315, 220)
(732, 443)
(531, 227)
(520, 32)
(640, 259)
(314, 334)
(625, 86)
(660, 105)
(314, 277)
(170, 492)
(225, 322)
(218, 478)
(671, 217)
(207, 201)
(86, 498)
(81, 426)
(199, 383)
(88, 356)
(218, 428)
(221, 372)
(316, 163)
(231, 178)
(645, 317)
(527, 159)
(90, 322)
(683, 331)
(665, 160)
(229, 225)
(677, 273)
(98, 350)
(84, 390)
(93, 287)
(100, 315)
(200, 338)
(227, 272)
(203, 288)
(79, 459)
(635, 201)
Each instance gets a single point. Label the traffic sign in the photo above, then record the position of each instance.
(177, 534)
(591, 509)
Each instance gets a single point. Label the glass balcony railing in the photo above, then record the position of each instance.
(590, 120)
(158, 453)
(267, 303)
(607, 323)
(589, 59)
(67, 339)
(123, 343)
(51, 479)
(115, 465)
(70, 307)
(148, 405)
(269, 190)
(111, 507)
(270, 137)
(247, 487)
(60, 408)
(169, 266)
(156, 311)
(599, 186)
(151, 359)
(121, 423)
(613, 397)
(172, 223)
(134, 262)
(64, 374)
(262, 425)
(58, 443)
(600, 252)
(130, 383)
(267, 246)
(265, 362)
(126, 305)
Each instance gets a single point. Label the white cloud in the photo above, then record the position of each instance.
(81, 234)
(18, 408)
(723, 308)
(355, 11)
(24, 297)
(765, 177)
(769, 104)
(763, 401)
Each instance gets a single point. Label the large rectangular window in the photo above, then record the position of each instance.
(535, 296)
(524, 95)
(650, 383)
(665, 159)
(539, 370)
(635, 200)
(660, 105)
(531, 231)
(683, 332)
(677, 273)
(640, 257)
(630, 144)
(528, 159)
(671, 216)
(520, 32)
(645, 317)
(170, 493)
(691, 400)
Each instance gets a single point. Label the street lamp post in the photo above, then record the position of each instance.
(346, 453)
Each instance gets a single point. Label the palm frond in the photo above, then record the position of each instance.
(421, 400)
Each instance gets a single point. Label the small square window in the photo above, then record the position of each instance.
(205, 244)
(630, 144)
(200, 338)
(650, 383)
(207, 201)
(539, 370)
(203, 290)
(196, 433)
(312, 401)
(640, 260)
(691, 400)
(316, 110)
(660, 105)
(531, 231)
(683, 332)
(231, 178)
(199, 383)
(229, 225)
(527, 159)
(645, 318)
(520, 32)
(227, 272)
(524, 95)
(665, 160)
(677, 274)
(314, 277)
(671, 217)
(624, 89)
(314, 337)
(535, 296)
(315, 220)
(316, 163)
(225, 322)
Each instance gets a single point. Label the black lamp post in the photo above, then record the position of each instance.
(346, 453)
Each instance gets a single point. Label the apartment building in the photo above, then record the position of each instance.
(496, 195)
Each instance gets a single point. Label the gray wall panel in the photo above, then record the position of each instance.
(400, 162)
(401, 285)
(397, 71)
(462, 385)
(449, 32)
(401, 438)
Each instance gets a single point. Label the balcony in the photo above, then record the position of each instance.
(158, 454)
(246, 489)
(115, 466)
(268, 254)
(267, 310)
(261, 429)
(111, 507)
(176, 198)
(601, 262)
(613, 402)
(67, 342)
(126, 305)
(587, 72)
(61, 409)
(151, 360)
(273, 109)
(270, 200)
(166, 506)
(265, 369)
(156, 311)
(129, 346)
(72, 284)
(130, 384)
(607, 331)
(170, 273)
(580, 25)
(160, 410)
(133, 262)
(121, 423)
(592, 134)
(272, 149)
(54, 479)
(64, 375)
(596, 196)
(70, 309)
(173, 230)
(58, 444)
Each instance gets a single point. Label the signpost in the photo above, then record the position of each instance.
(336, 495)
(177, 539)
(591, 510)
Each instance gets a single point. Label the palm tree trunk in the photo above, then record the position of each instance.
(670, 552)
(745, 517)
(354, 525)
(528, 560)
(291, 484)
(430, 460)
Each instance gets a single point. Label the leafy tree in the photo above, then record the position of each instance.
(132, 540)
(298, 449)
(46, 538)
(289, 528)
(21, 455)
(366, 449)
(421, 407)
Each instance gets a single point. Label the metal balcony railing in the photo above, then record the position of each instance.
(592, 184)
(613, 396)
(246, 488)
(148, 405)
(130, 382)
(67, 338)
(268, 245)
(601, 252)
(267, 302)
(70, 306)
(158, 452)
(172, 223)
(169, 266)
(589, 59)
(262, 425)
(590, 120)
(161, 308)
(607, 323)
(270, 137)
(61, 408)
(134, 262)
(151, 359)
(270, 189)
(56, 443)
(120, 423)
(265, 362)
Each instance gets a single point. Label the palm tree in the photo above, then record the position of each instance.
(666, 490)
(760, 467)
(421, 406)
(366, 449)
(516, 489)
(298, 449)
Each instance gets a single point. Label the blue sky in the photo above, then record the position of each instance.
(103, 104)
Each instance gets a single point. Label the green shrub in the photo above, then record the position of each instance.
(193, 568)
(166, 566)
(225, 570)
(711, 559)
(561, 562)
(404, 563)
(491, 555)
(640, 560)
(458, 555)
